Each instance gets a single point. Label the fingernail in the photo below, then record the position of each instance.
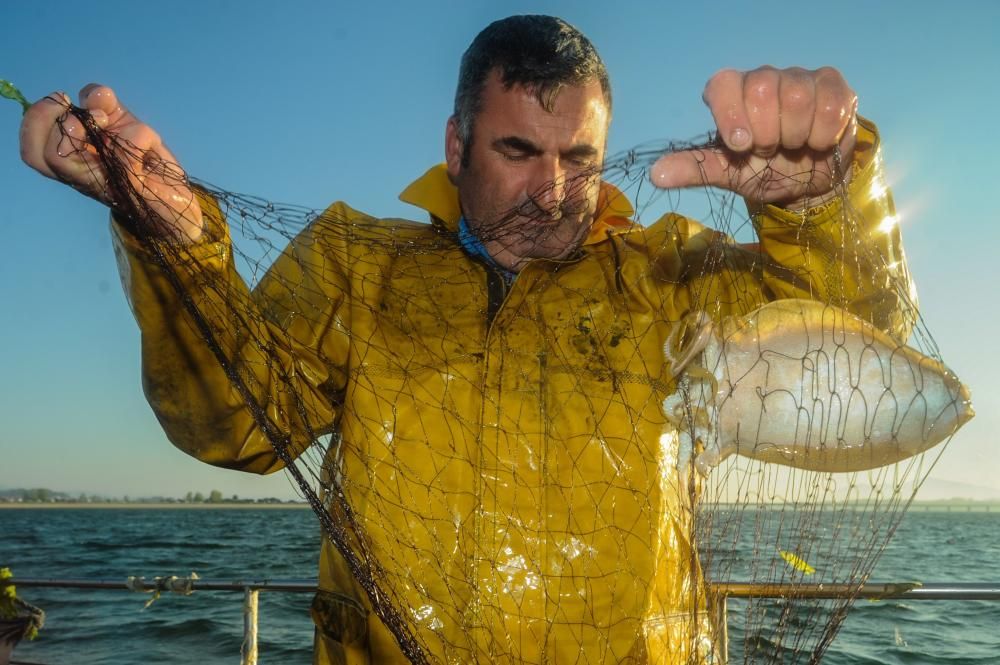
(659, 174)
(739, 138)
(99, 117)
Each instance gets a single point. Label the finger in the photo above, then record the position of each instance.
(760, 98)
(849, 138)
(38, 123)
(97, 97)
(691, 168)
(104, 105)
(70, 158)
(798, 107)
(724, 97)
(835, 108)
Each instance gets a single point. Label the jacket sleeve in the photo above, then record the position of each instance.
(253, 368)
(847, 252)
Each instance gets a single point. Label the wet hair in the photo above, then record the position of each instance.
(540, 53)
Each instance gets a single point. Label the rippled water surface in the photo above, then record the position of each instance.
(112, 628)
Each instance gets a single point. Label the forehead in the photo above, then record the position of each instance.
(577, 114)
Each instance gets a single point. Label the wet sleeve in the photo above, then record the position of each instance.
(847, 252)
(232, 373)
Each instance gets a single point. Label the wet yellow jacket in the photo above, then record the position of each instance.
(506, 455)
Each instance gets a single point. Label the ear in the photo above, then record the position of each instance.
(453, 147)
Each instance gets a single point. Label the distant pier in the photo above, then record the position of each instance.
(955, 507)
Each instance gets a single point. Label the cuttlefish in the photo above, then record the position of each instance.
(808, 385)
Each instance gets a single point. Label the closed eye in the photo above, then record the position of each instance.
(582, 156)
(515, 156)
(516, 149)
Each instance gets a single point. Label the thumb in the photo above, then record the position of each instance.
(690, 168)
(103, 104)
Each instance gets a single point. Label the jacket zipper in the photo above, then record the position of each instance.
(496, 292)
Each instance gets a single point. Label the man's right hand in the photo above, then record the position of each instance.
(54, 143)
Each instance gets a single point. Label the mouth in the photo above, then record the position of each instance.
(548, 220)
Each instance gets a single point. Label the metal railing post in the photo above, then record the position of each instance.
(249, 649)
(721, 622)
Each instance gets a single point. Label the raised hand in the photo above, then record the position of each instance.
(782, 136)
(54, 142)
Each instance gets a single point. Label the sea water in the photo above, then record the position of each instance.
(113, 628)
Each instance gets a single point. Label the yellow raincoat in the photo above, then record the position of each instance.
(506, 455)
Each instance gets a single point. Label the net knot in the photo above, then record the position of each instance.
(170, 584)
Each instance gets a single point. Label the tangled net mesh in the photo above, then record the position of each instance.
(499, 476)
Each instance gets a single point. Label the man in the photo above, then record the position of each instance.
(494, 379)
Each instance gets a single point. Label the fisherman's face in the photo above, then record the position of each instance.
(529, 187)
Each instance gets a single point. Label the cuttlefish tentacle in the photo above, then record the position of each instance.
(686, 341)
(685, 407)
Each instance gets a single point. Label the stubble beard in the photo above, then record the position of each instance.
(516, 235)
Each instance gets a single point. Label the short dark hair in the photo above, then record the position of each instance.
(541, 53)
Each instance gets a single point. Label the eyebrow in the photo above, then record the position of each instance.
(518, 144)
(583, 150)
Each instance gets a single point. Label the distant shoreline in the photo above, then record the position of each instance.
(158, 506)
(946, 505)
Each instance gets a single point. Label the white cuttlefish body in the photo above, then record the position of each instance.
(809, 385)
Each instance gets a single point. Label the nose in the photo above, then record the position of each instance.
(549, 187)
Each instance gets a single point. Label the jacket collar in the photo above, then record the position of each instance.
(434, 193)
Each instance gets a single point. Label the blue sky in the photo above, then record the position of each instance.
(312, 102)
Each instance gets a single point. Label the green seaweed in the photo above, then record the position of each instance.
(8, 90)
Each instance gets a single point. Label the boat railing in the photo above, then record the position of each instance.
(251, 589)
(185, 586)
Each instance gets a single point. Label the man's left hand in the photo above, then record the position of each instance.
(779, 131)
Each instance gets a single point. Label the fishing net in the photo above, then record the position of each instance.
(517, 472)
